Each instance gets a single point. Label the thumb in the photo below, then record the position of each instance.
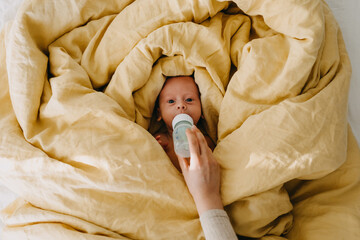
(183, 162)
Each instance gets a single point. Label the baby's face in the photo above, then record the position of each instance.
(179, 95)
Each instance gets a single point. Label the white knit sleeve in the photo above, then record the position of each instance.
(216, 225)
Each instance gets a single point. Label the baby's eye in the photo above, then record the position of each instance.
(170, 101)
(189, 100)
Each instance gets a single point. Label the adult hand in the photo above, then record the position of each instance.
(201, 173)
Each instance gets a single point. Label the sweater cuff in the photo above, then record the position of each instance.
(216, 225)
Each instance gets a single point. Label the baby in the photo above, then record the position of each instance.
(202, 172)
(178, 95)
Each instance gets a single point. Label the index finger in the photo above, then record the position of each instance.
(193, 145)
(203, 146)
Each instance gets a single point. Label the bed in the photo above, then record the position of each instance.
(61, 220)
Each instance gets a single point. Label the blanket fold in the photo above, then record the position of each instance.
(79, 85)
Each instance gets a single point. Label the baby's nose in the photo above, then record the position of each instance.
(181, 106)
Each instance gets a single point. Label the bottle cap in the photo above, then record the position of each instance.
(182, 117)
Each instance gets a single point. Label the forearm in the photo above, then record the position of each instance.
(216, 225)
(202, 176)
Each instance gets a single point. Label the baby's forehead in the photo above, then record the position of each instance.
(177, 79)
(180, 83)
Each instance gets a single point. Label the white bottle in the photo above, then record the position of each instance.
(180, 123)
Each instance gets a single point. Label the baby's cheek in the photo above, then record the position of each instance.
(168, 121)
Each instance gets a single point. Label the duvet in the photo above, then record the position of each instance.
(79, 81)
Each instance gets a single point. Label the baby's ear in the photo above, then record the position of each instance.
(158, 115)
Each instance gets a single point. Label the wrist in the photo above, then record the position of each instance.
(204, 204)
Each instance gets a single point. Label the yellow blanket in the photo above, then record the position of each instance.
(79, 80)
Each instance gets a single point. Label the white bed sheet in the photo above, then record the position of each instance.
(347, 14)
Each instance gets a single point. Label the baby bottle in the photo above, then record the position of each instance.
(180, 123)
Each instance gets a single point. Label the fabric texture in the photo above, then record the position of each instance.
(79, 81)
(216, 225)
